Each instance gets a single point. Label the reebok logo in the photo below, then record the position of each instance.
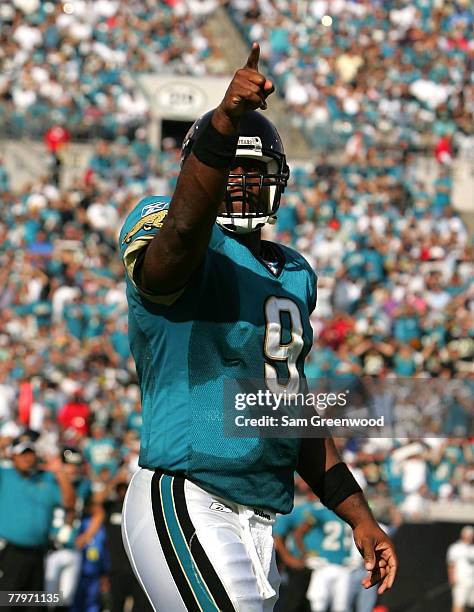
(151, 208)
(219, 507)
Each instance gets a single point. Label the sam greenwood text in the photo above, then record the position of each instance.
(313, 421)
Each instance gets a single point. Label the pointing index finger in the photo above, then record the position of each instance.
(252, 60)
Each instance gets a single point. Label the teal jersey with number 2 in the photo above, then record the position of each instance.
(237, 318)
(329, 536)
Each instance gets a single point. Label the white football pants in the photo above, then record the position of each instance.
(191, 550)
(329, 588)
(62, 573)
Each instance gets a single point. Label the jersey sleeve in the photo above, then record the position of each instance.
(139, 228)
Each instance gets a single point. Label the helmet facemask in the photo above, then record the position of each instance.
(253, 197)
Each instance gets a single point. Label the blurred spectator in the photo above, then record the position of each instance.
(75, 414)
(28, 496)
(95, 566)
(55, 138)
(444, 150)
(414, 507)
(101, 450)
(4, 179)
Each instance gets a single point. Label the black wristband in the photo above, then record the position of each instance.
(215, 149)
(336, 485)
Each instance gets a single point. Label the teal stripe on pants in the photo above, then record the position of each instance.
(197, 584)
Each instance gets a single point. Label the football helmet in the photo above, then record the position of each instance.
(253, 196)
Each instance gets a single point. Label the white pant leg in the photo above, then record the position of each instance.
(216, 547)
(319, 589)
(53, 567)
(220, 533)
(143, 547)
(329, 587)
(340, 588)
(463, 594)
(62, 573)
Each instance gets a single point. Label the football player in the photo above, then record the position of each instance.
(63, 563)
(460, 559)
(323, 540)
(210, 301)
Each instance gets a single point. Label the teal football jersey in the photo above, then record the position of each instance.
(329, 536)
(235, 319)
(61, 534)
(286, 524)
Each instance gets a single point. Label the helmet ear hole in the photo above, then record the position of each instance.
(272, 166)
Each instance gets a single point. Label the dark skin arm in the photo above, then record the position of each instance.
(178, 248)
(317, 457)
(68, 495)
(298, 536)
(97, 518)
(287, 558)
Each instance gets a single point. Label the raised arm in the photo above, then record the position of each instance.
(97, 514)
(68, 495)
(176, 251)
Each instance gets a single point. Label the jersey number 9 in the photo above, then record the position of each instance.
(275, 350)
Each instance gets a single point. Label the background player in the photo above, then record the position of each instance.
(323, 539)
(205, 304)
(460, 558)
(63, 564)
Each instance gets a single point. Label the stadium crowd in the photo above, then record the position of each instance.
(395, 299)
(393, 70)
(73, 63)
(390, 71)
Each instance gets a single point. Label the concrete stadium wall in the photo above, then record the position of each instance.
(28, 160)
